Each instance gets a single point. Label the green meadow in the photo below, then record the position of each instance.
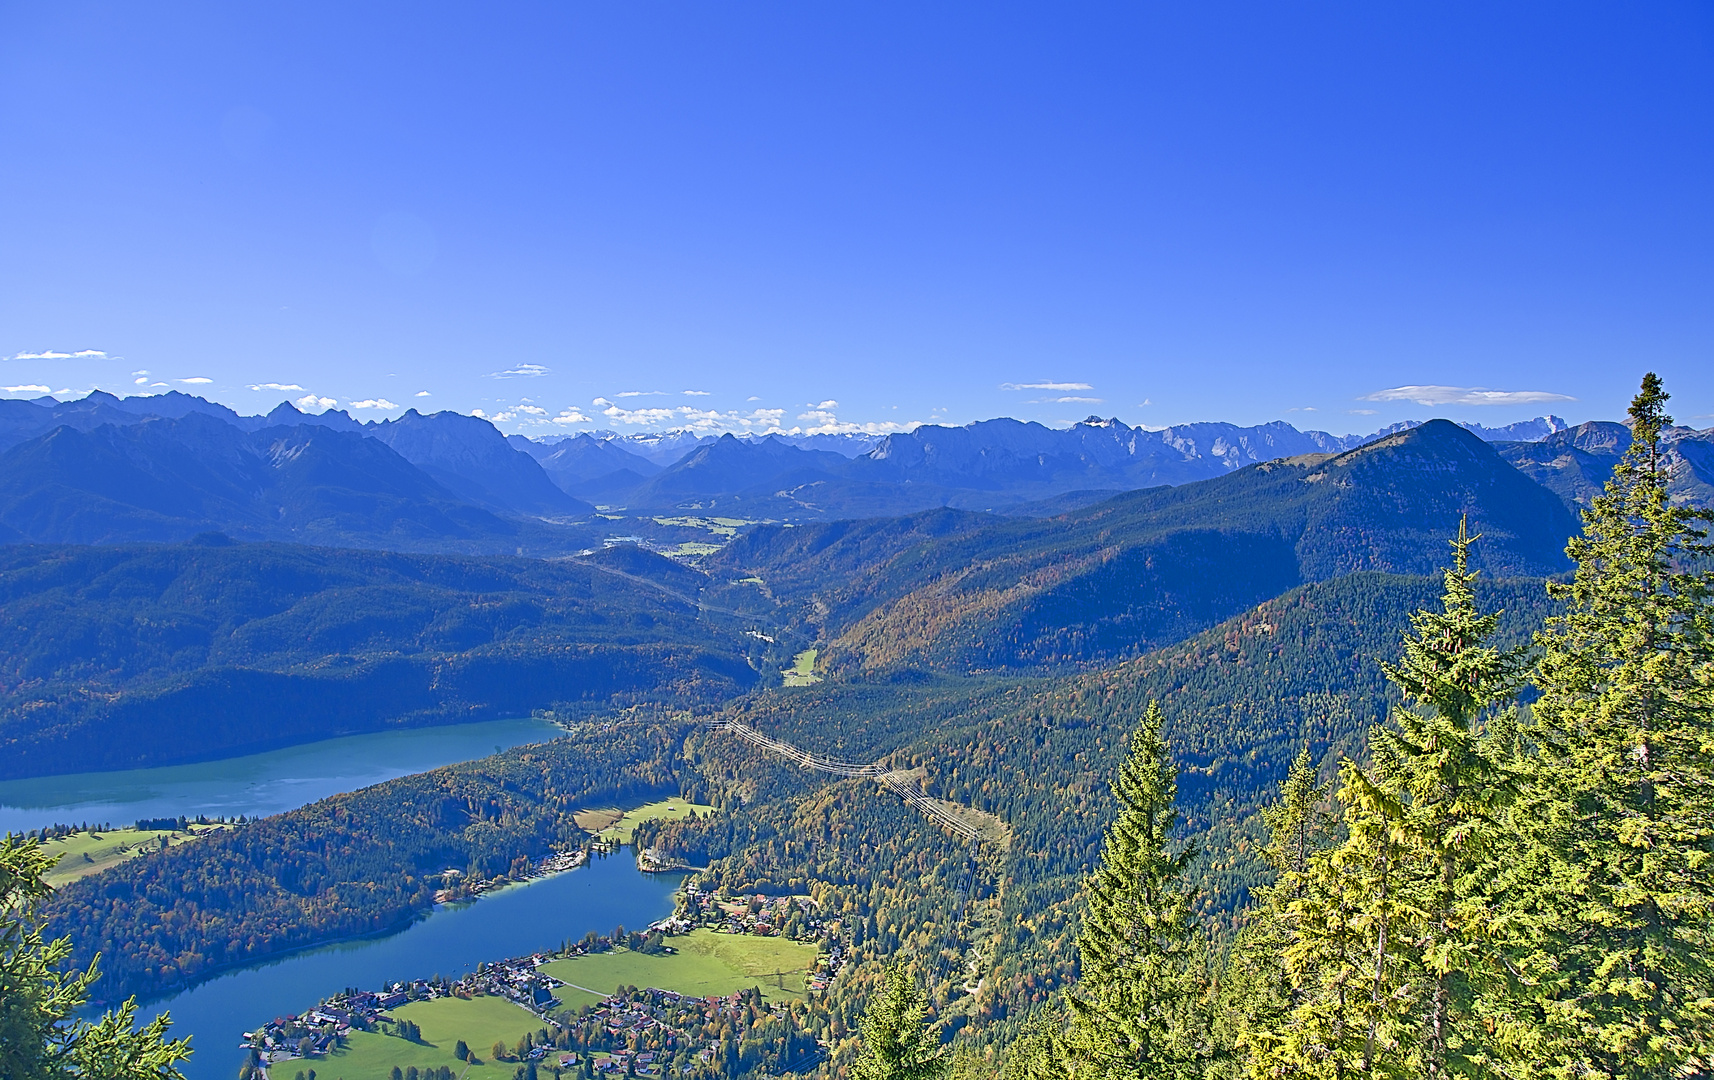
(802, 671)
(615, 824)
(85, 853)
(480, 1022)
(705, 963)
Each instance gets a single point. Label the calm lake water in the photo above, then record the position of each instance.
(259, 784)
(536, 915)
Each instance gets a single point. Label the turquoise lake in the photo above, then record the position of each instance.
(540, 914)
(259, 784)
(449, 941)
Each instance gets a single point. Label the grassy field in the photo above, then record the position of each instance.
(802, 671)
(85, 853)
(719, 526)
(615, 824)
(706, 963)
(692, 549)
(480, 1022)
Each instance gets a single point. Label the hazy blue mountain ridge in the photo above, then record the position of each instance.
(466, 466)
(168, 480)
(468, 455)
(975, 592)
(600, 470)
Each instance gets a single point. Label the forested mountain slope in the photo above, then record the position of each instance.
(1035, 753)
(961, 592)
(1240, 700)
(116, 657)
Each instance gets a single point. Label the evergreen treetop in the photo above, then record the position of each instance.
(1131, 1011)
(897, 1042)
(1614, 929)
(39, 1040)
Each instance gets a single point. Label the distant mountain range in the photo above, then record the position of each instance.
(1004, 465)
(104, 469)
(967, 592)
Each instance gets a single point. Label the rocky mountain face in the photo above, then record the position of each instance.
(1574, 463)
(469, 456)
(1001, 466)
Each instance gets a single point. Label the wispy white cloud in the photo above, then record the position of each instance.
(1078, 400)
(636, 417)
(55, 354)
(828, 404)
(275, 386)
(752, 397)
(1361, 412)
(373, 403)
(197, 380)
(1062, 386)
(1464, 395)
(759, 421)
(140, 382)
(310, 401)
(824, 422)
(423, 393)
(696, 393)
(28, 388)
(641, 393)
(520, 371)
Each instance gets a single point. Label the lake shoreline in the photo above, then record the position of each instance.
(448, 940)
(258, 785)
(418, 916)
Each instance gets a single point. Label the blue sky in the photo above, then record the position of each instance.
(863, 214)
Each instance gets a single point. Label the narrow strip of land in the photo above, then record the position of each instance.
(892, 781)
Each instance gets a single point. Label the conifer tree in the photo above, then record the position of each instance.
(38, 1037)
(1035, 1053)
(897, 1044)
(1349, 961)
(1613, 923)
(1256, 992)
(1387, 938)
(1452, 743)
(1133, 1012)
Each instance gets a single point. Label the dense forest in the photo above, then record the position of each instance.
(118, 657)
(1370, 765)
(353, 864)
(1487, 890)
(963, 593)
(1032, 752)
(1240, 701)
